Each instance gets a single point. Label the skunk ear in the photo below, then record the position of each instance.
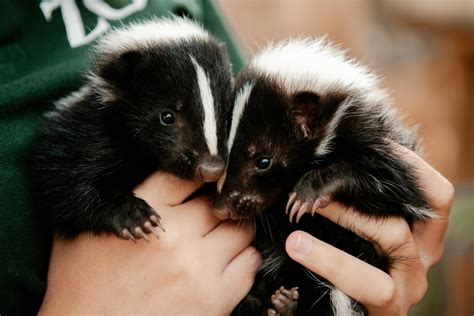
(304, 110)
(120, 69)
(312, 113)
(113, 73)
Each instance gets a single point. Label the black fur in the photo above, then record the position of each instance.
(361, 170)
(100, 143)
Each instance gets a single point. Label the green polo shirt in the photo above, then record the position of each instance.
(43, 51)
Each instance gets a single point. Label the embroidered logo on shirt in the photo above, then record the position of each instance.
(75, 30)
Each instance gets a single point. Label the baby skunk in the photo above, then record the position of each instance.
(155, 98)
(311, 124)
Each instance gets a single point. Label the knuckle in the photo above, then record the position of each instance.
(248, 279)
(450, 191)
(446, 199)
(405, 234)
(420, 291)
(254, 262)
(436, 255)
(387, 295)
(399, 234)
(255, 259)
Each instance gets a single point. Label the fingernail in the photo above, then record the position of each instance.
(302, 244)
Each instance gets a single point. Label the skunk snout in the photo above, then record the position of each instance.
(236, 205)
(210, 169)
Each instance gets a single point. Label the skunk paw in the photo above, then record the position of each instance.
(304, 203)
(309, 194)
(284, 302)
(137, 220)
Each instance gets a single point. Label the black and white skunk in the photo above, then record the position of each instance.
(310, 124)
(156, 95)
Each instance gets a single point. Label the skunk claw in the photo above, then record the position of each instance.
(315, 206)
(161, 227)
(300, 205)
(294, 209)
(128, 235)
(150, 229)
(324, 201)
(291, 199)
(155, 219)
(139, 231)
(320, 202)
(301, 211)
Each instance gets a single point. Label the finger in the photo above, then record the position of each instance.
(386, 232)
(228, 239)
(165, 189)
(411, 280)
(393, 236)
(429, 236)
(440, 194)
(438, 190)
(239, 274)
(338, 268)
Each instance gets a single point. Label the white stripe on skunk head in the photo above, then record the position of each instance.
(209, 122)
(239, 106)
(318, 66)
(146, 34)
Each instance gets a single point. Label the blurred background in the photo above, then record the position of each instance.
(424, 50)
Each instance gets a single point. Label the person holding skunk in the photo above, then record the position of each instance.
(153, 278)
(180, 273)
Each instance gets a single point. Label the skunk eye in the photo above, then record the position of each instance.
(264, 163)
(167, 118)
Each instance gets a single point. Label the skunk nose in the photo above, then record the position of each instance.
(211, 169)
(223, 214)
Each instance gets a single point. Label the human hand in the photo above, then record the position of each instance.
(421, 247)
(195, 268)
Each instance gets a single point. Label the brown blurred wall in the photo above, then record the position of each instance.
(428, 67)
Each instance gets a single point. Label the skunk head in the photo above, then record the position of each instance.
(267, 151)
(290, 102)
(167, 84)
